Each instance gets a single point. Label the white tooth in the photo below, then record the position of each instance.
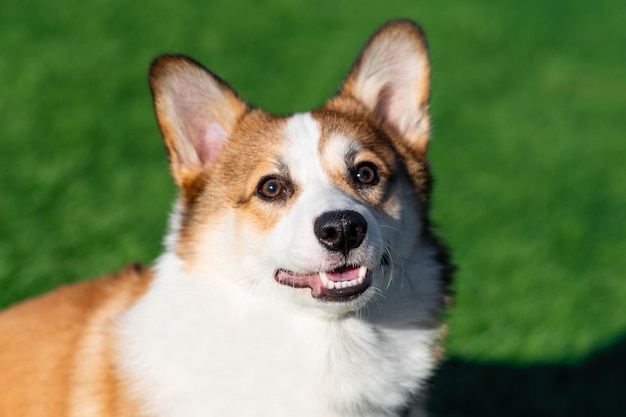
(362, 272)
(324, 278)
(330, 284)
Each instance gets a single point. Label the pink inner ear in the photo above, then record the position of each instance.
(208, 138)
(383, 103)
(391, 107)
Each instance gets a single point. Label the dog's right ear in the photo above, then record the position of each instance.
(196, 111)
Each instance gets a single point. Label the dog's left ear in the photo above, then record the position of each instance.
(391, 76)
(197, 113)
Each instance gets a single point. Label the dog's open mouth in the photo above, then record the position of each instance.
(337, 285)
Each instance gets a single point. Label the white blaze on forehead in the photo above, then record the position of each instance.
(309, 169)
(301, 152)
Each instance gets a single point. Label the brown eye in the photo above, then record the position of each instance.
(366, 173)
(270, 188)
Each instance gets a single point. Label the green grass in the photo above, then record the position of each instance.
(528, 101)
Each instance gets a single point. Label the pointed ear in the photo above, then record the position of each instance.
(196, 112)
(391, 76)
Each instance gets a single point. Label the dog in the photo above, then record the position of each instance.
(300, 274)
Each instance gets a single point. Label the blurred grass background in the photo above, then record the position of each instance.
(529, 108)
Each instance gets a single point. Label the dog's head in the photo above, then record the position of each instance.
(320, 207)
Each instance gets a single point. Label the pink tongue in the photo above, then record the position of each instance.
(343, 274)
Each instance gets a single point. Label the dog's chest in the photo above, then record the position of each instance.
(195, 352)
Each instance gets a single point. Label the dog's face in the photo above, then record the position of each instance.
(319, 208)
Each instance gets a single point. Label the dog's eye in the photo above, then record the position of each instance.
(366, 173)
(270, 188)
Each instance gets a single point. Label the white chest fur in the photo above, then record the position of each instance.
(194, 348)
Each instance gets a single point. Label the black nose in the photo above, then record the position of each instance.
(340, 231)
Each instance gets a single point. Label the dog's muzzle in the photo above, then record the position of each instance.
(339, 232)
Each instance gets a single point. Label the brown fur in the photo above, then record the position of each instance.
(56, 353)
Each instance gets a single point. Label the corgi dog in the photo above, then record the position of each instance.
(300, 274)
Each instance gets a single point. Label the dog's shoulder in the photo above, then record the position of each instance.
(61, 333)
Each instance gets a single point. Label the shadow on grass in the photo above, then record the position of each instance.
(594, 388)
